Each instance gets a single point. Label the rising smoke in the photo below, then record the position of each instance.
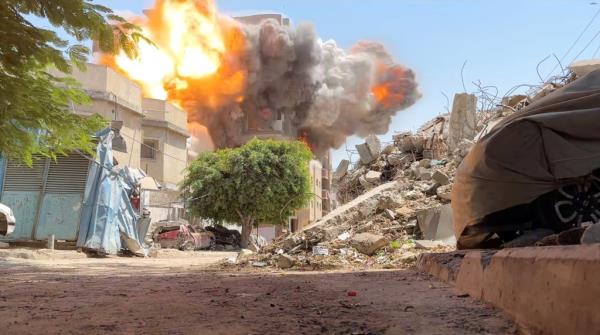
(231, 77)
(326, 93)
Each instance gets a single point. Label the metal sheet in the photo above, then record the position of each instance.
(59, 216)
(24, 205)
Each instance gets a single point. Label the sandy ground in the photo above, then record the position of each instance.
(177, 294)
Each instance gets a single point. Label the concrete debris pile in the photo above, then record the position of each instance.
(377, 229)
(396, 198)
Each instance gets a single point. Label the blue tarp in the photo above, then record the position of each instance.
(108, 221)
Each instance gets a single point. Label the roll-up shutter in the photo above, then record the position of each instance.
(19, 177)
(67, 174)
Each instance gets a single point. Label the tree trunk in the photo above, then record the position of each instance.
(247, 223)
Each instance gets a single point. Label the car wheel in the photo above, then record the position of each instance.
(570, 205)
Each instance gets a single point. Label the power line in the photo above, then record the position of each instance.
(586, 46)
(575, 42)
(152, 148)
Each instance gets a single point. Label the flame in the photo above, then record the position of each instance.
(194, 59)
(389, 90)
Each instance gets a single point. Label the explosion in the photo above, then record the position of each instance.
(236, 79)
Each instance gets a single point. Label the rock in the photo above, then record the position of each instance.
(364, 183)
(373, 144)
(365, 155)
(440, 178)
(463, 119)
(425, 163)
(408, 258)
(436, 224)
(342, 169)
(373, 177)
(591, 234)
(285, 261)
(444, 192)
(389, 214)
(367, 243)
(390, 200)
(405, 212)
(427, 244)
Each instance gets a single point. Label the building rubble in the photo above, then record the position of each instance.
(396, 198)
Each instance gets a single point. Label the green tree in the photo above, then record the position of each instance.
(35, 106)
(263, 181)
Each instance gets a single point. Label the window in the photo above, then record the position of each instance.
(149, 149)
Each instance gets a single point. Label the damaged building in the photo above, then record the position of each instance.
(150, 135)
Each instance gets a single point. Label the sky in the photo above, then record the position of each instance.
(502, 41)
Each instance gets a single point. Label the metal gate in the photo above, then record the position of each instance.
(46, 198)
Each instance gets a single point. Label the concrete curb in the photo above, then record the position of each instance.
(549, 290)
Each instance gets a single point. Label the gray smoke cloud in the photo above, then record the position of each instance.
(312, 89)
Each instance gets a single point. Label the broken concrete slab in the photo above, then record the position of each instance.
(373, 144)
(342, 169)
(367, 243)
(399, 159)
(463, 119)
(373, 177)
(436, 224)
(365, 154)
(444, 192)
(369, 199)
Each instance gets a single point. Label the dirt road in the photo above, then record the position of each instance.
(182, 296)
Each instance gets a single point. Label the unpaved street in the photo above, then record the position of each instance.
(182, 296)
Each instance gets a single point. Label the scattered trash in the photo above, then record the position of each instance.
(352, 293)
(319, 250)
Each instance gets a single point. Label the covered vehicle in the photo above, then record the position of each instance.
(7, 220)
(184, 237)
(538, 168)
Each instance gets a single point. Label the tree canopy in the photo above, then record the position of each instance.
(264, 181)
(35, 107)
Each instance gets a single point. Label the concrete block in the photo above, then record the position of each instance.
(436, 224)
(367, 243)
(373, 177)
(365, 154)
(463, 119)
(374, 145)
(342, 169)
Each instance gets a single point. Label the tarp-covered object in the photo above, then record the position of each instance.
(108, 221)
(530, 153)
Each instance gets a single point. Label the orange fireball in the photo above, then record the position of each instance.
(195, 55)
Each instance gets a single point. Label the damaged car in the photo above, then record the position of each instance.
(538, 169)
(7, 220)
(184, 237)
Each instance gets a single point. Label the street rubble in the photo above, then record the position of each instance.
(395, 198)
